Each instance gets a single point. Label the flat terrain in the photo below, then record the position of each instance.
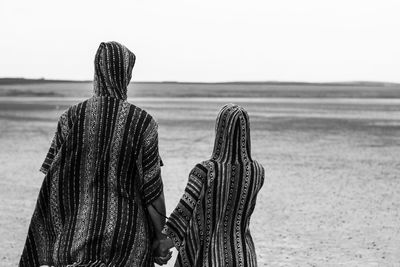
(331, 195)
(169, 89)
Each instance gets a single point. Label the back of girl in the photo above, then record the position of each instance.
(210, 225)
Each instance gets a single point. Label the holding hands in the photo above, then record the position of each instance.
(161, 250)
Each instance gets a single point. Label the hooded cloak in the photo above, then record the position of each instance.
(101, 171)
(210, 225)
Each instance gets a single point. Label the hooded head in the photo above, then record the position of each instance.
(232, 140)
(113, 70)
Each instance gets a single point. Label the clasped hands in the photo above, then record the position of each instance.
(161, 250)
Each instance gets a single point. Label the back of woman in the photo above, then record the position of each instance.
(210, 225)
(102, 170)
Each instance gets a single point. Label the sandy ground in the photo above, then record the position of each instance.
(331, 196)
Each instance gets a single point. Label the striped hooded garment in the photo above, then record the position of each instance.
(210, 225)
(102, 170)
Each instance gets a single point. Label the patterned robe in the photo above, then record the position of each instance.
(102, 170)
(210, 225)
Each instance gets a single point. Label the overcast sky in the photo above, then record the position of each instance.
(205, 40)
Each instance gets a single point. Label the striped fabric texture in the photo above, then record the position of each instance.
(101, 171)
(210, 225)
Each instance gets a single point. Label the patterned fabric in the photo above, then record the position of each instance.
(101, 171)
(210, 225)
(113, 70)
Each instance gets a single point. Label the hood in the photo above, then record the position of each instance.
(113, 66)
(232, 139)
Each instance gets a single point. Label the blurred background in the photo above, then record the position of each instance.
(318, 78)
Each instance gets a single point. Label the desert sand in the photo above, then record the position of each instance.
(332, 191)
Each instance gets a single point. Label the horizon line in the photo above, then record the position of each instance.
(349, 82)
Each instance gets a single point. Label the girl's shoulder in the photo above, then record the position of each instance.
(206, 165)
(258, 165)
(201, 170)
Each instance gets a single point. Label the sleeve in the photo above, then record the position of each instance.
(59, 138)
(151, 164)
(178, 223)
(262, 177)
(38, 249)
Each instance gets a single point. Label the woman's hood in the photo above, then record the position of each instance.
(113, 70)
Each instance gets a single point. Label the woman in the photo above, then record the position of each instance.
(210, 225)
(102, 179)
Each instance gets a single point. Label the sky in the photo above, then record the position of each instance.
(205, 40)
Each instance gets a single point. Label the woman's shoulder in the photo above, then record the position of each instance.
(70, 114)
(138, 110)
(149, 123)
